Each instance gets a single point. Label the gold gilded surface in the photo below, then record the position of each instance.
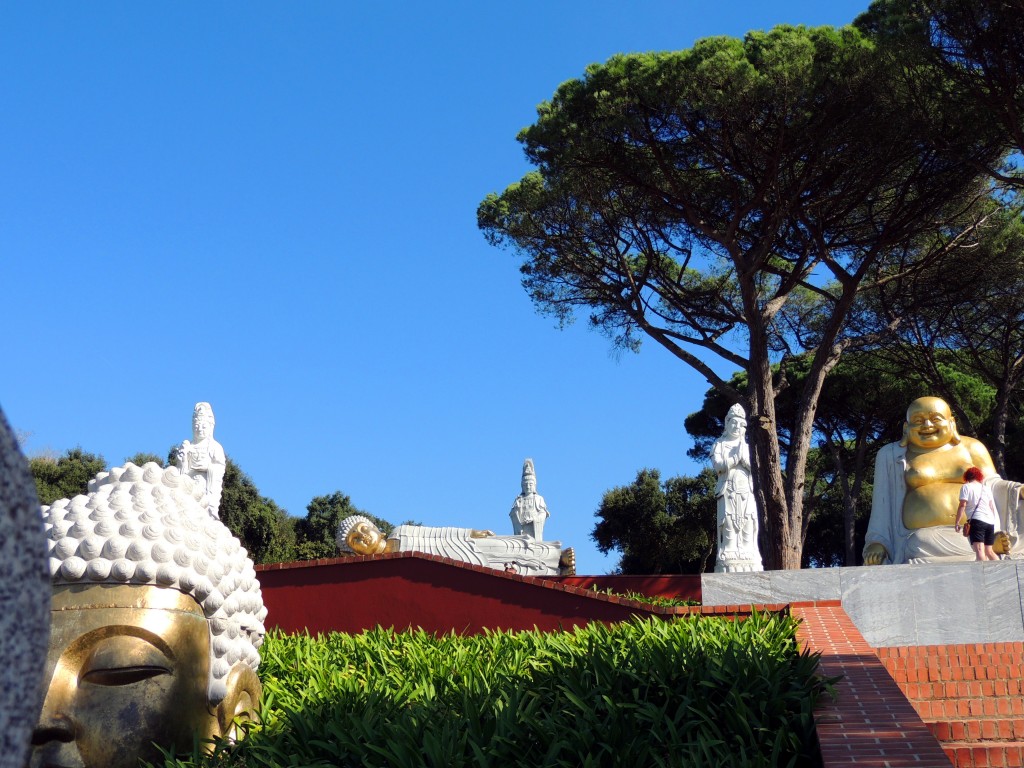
(937, 458)
(567, 562)
(874, 554)
(127, 666)
(366, 539)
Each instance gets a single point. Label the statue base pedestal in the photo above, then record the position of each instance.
(738, 566)
(936, 604)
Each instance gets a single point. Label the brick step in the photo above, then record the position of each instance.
(1003, 707)
(964, 649)
(934, 663)
(973, 730)
(979, 670)
(959, 654)
(963, 689)
(1002, 755)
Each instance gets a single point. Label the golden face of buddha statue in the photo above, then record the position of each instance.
(127, 666)
(155, 624)
(930, 424)
(366, 539)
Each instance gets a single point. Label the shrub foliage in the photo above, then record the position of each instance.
(694, 691)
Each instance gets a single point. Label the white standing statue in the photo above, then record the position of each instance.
(529, 510)
(203, 458)
(737, 511)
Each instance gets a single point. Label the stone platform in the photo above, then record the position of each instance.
(895, 605)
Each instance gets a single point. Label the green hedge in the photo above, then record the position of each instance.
(693, 691)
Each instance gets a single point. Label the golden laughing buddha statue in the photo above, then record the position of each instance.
(155, 624)
(916, 492)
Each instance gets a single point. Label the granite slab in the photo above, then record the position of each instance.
(934, 604)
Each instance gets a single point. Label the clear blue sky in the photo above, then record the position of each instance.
(272, 207)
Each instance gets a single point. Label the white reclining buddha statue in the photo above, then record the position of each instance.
(521, 554)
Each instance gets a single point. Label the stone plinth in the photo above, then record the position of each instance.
(935, 604)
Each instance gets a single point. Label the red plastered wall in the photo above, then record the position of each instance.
(439, 595)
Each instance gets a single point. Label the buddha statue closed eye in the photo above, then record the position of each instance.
(155, 623)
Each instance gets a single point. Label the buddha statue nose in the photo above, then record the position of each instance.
(58, 728)
(55, 724)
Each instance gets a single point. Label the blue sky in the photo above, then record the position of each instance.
(272, 207)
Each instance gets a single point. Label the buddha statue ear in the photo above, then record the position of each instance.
(954, 434)
(906, 435)
(242, 701)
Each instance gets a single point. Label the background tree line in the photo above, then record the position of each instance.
(268, 532)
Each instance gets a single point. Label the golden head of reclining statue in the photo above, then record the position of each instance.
(156, 621)
(917, 486)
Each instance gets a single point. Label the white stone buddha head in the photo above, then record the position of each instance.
(735, 423)
(529, 483)
(203, 421)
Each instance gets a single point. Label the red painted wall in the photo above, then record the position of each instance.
(439, 595)
(681, 586)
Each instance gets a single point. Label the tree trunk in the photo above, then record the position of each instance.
(859, 470)
(785, 543)
(999, 419)
(849, 503)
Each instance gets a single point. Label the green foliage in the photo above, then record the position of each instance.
(315, 532)
(140, 459)
(659, 528)
(65, 477)
(662, 602)
(960, 56)
(697, 691)
(264, 529)
(965, 336)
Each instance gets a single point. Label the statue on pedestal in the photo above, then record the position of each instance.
(916, 493)
(156, 620)
(203, 458)
(737, 510)
(529, 510)
(518, 554)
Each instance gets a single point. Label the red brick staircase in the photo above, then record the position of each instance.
(970, 696)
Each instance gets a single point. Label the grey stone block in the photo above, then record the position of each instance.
(807, 584)
(736, 588)
(934, 604)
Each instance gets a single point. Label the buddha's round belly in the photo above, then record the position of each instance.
(932, 504)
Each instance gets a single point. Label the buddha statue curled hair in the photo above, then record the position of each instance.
(149, 526)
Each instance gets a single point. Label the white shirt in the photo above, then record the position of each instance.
(979, 503)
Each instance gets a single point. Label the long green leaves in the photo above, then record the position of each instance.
(696, 691)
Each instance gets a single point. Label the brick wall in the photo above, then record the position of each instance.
(970, 696)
